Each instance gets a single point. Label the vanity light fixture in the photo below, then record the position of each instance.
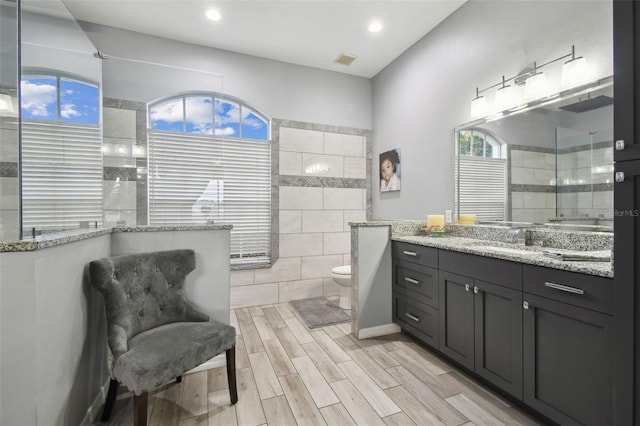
(574, 73)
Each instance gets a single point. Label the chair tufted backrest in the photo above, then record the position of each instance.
(143, 291)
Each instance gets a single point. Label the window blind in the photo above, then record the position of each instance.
(198, 179)
(481, 187)
(61, 176)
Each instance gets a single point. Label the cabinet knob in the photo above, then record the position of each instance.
(467, 287)
(526, 304)
(619, 177)
(477, 289)
(619, 145)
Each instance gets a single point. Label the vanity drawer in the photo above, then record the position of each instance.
(414, 253)
(417, 318)
(416, 278)
(587, 291)
(497, 271)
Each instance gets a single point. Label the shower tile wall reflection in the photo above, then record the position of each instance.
(9, 192)
(123, 149)
(532, 183)
(585, 181)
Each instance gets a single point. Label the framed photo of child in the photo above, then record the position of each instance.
(390, 170)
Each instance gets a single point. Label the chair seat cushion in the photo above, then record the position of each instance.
(158, 355)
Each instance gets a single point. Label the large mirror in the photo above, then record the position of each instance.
(550, 164)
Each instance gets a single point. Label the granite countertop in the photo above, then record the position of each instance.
(59, 238)
(531, 255)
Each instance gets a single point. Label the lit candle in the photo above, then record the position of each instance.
(467, 219)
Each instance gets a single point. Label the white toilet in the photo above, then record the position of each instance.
(342, 276)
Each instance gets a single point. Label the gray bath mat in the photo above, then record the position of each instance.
(320, 311)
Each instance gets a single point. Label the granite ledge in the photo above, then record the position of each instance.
(59, 238)
(533, 257)
(165, 228)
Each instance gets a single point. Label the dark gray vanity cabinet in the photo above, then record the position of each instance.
(415, 290)
(567, 342)
(481, 321)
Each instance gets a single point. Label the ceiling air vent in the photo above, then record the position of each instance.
(345, 58)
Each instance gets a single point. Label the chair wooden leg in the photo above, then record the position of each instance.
(140, 409)
(231, 374)
(110, 401)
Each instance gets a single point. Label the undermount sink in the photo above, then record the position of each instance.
(505, 250)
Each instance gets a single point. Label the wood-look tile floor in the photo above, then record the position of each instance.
(288, 374)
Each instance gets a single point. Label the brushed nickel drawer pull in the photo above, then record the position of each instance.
(410, 253)
(412, 281)
(413, 317)
(564, 288)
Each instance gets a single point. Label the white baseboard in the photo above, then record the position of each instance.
(94, 409)
(380, 330)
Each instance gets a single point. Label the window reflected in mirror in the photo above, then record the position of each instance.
(551, 164)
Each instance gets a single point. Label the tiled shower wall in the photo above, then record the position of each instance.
(532, 183)
(322, 187)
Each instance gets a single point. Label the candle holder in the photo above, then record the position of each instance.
(434, 231)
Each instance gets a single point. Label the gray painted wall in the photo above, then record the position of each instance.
(426, 92)
(277, 89)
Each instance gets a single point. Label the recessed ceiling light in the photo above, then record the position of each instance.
(213, 14)
(375, 27)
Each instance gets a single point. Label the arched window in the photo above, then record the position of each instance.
(61, 152)
(210, 162)
(480, 172)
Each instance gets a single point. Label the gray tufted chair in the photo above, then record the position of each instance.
(154, 334)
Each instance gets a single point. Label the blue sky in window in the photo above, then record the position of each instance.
(227, 120)
(39, 98)
(168, 116)
(253, 126)
(79, 102)
(199, 115)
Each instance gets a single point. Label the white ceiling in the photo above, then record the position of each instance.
(304, 32)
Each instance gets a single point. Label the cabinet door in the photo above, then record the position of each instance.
(498, 336)
(456, 318)
(567, 362)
